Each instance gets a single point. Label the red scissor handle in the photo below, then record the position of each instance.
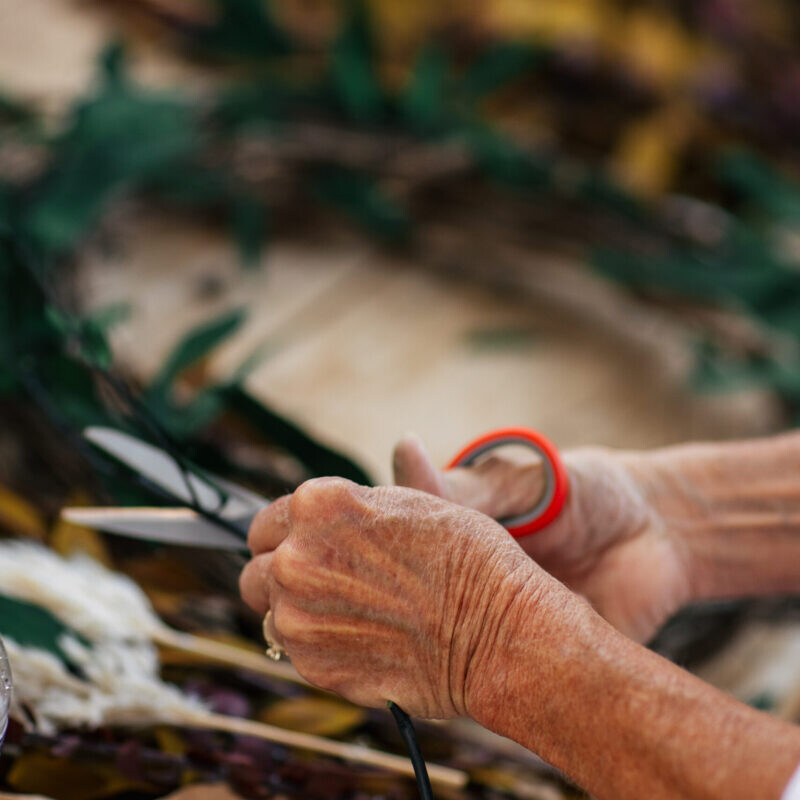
(556, 477)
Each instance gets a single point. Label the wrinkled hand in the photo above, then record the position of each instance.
(386, 593)
(617, 541)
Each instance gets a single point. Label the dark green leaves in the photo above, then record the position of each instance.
(243, 28)
(30, 625)
(317, 458)
(423, 102)
(249, 223)
(16, 114)
(504, 161)
(762, 186)
(361, 198)
(120, 138)
(496, 68)
(125, 138)
(352, 67)
(194, 346)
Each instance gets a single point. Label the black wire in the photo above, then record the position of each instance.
(409, 735)
(141, 414)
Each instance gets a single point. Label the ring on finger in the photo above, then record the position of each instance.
(274, 650)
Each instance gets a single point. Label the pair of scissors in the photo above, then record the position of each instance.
(219, 512)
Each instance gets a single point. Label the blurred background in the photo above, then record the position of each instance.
(297, 229)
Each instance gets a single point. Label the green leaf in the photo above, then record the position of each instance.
(423, 100)
(113, 62)
(244, 28)
(13, 112)
(30, 625)
(505, 161)
(318, 459)
(361, 198)
(197, 344)
(352, 67)
(249, 227)
(106, 317)
(497, 67)
(260, 104)
(761, 184)
(120, 138)
(252, 362)
(189, 419)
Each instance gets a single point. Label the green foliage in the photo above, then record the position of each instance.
(497, 67)
(17, 115)
(243, 29)
(423, 102)
(504, 161)
(122, 138)
(30, 625)
(360, 197)
(119, 138)
(761, 185)
(195, 346)
(318, 459)
(353, 73)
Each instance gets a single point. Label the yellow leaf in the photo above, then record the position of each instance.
(322, 716)
(649, 150)
(66, 779)
(66, 539)
(19, 516)
(523, 785)
(583, 20)
(656, 47)
(169, 740)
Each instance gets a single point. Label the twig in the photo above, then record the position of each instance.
(222, 653)
(356, 753)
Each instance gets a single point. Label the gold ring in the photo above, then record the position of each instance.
(274, 651)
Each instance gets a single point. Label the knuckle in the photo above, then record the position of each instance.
(287, 565)
(256, 525)
(322, 495)
(314, 673)
(292, 624)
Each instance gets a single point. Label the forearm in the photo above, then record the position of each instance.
(621, 721)
(736, 509)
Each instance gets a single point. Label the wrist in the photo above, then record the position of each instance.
(537, 626)
(733, 511)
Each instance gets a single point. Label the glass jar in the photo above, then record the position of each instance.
(5, 691)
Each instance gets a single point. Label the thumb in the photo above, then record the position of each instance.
(413, 467)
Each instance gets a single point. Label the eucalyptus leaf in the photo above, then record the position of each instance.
(30, 625)
(249, 220)
(361, 198)
(423, 100)
(497, 67)
(317, 458)
(194, 346)
(118, 138)
(244, 28)
(352, 66)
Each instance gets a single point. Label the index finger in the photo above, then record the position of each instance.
(270, 526)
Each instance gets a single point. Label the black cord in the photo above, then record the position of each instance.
(146, 420)
(409, 735)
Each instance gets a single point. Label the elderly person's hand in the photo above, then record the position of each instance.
(396, 594)
(389, 593)
(618, 541)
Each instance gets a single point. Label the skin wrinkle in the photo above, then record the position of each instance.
(397, 594)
